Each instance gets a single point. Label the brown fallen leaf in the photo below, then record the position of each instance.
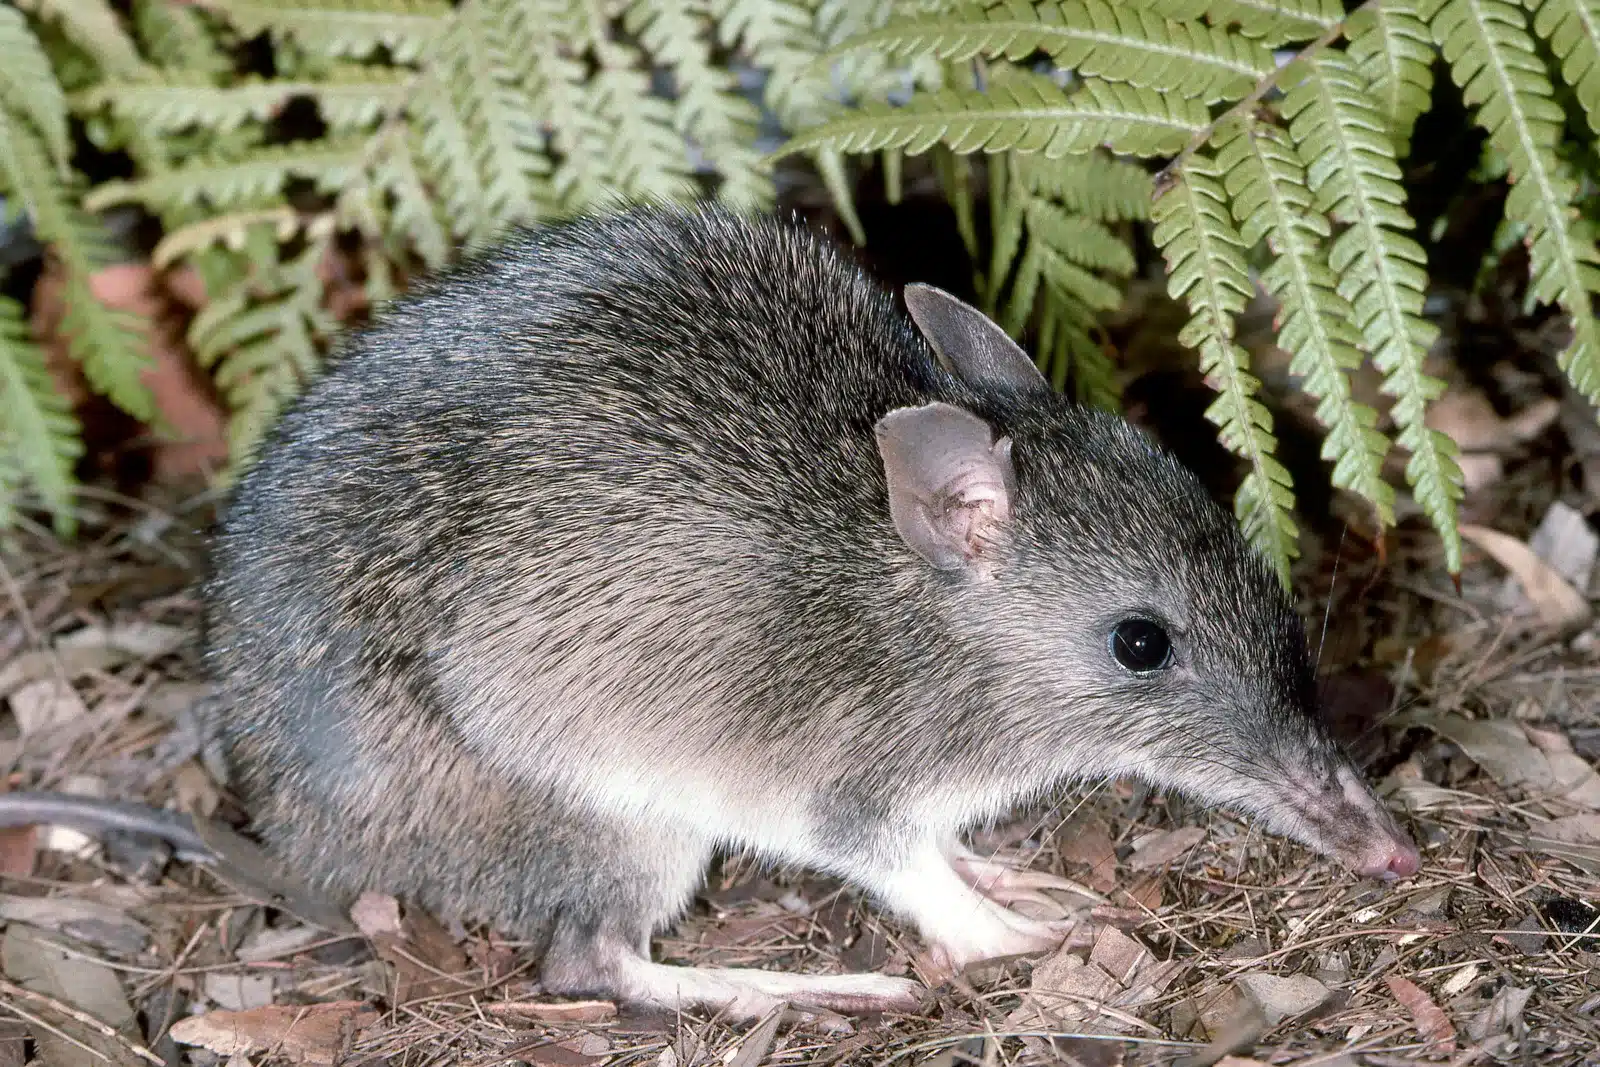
(312, 1034)
(19, 849)
(42, 965)
(1503, 1013)
(1281, 997)
(43, 705)
(1508, 753)
(1160, 849)
(1565, 541)
(1432, 1023)
(13, 1035)
(755, 1046)
(1558, 605)
(1087, 842)
(426, 961)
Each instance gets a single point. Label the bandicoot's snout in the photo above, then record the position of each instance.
(1346, 820)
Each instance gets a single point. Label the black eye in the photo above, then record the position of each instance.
(1141, 645)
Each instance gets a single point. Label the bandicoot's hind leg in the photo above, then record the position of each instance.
(616, 898)
(584, 959)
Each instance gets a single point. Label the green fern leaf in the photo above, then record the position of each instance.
(36, 421)
(351, 97)
(508, 146)
(414, 215)
(647, 155)
(1093, 184)
(262, 343)
(445, 156)
(1390, 43)
(1492, 57)
(556, 84)
(1079, 239)
(1205, 258)
(1271, 201)
(28, 86)
(1276, 22)
(177, 37)
(1021, 113)
(109, 344)
(708, 108)
(780, 37)
(1350, 160)
(1572, 30)
(1093, 37)
(348, 28)
(94, 27)
(230, 184)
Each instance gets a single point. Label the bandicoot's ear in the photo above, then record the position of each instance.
(969, 344)
(950, 485)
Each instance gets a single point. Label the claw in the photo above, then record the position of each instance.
(1008, 885)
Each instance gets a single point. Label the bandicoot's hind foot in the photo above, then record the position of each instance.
(610, 968)
(742, 993)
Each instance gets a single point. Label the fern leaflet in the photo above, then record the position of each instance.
(348, 28)
(1276, 22)
(1492, 58)
(109, 344)
(1270, 199)
(28, 86)
(708, 106)
(1572, 29)
(37, 425)
(1350, 160)
(93, 26)
(1206, 268)
(1021, 113)
(1390, 42)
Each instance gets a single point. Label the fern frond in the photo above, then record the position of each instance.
(230, 184)
(1272, 202)
(1093, 37)
(1021, 113)
(28, 86)
(344, 28)
(1206, 269)
(261, 342)
(353, 96)
(646, 153)
(36, 422)
(780, 37)
(176, 37)
(413, 215)
(708, 106)
(444, 155)
(1492, 57)
(109, 344)
(1079, 239)
(94, 27)
(1350, 159)
(1572, 30)
(229, 230)
(556, 83)
(507, 144)
(1092, 183)
(1276, 22)
(1390, 43)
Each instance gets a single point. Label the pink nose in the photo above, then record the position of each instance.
(1393, 861)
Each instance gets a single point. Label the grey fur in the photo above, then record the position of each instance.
(580, 567)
